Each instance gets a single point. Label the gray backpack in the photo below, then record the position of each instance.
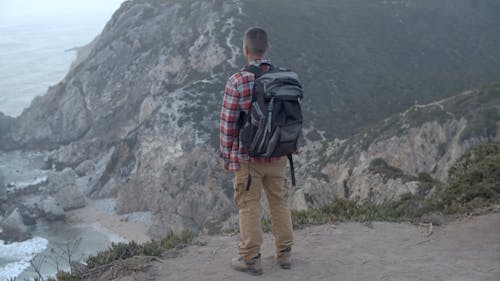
(273, 125)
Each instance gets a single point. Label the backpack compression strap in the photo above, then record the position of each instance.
(292, 169)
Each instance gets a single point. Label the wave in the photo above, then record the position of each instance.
(15, 257)
(27, 184)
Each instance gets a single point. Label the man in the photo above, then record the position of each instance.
(252, 175)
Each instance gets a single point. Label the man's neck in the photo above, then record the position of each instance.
(252, 58)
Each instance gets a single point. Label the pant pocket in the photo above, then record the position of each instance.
(239, 190)
(244, 194)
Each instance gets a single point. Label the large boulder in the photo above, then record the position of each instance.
(63, 188)
(30, 208)
(13, 228)
(52, 210)
(61, 180)
(76, 153)
(29, 214)
(70, 198)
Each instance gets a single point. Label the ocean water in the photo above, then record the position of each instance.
(34, 57)
(92, 237)
(36, 38)
(21, 169)
(15, 258)
(37, 41)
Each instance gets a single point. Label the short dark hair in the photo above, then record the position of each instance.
(255, 40)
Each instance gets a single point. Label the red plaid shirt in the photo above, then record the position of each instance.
(237, 98)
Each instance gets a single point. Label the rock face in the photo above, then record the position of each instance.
(60, 180)
(52, 211)
(142, 100)
(13, 228)
(70, 198)
(73, 154)
(3, 188)
(183, 195)
(153, 54)
(62, 186)
(7, 124)
(421, 142)
(85, 168)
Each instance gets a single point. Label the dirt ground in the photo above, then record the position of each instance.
(467, 249)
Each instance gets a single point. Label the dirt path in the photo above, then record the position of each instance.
(467, 249)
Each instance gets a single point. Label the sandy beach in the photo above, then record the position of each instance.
(112, 224)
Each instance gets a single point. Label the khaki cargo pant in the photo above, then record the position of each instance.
(269, 177)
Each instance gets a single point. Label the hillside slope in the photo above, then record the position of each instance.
(360, 62)
(424, 141)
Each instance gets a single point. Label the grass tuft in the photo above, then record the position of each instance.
(122, 251)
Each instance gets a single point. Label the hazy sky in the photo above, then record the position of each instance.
(15, 11)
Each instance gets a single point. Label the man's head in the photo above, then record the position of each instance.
(255, 44)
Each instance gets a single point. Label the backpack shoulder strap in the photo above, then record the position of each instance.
(257, 70)
(254, 69)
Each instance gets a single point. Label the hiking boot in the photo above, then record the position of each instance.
(251, 266)
(284, 258)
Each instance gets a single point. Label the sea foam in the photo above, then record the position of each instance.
(16, 256)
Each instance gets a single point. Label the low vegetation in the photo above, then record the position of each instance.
(474, 183)
(122, 251)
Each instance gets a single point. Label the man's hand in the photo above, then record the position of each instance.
(225, 167)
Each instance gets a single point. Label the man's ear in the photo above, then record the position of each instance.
(245, 51)
(268, 48)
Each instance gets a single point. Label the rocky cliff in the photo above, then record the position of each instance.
(403, 153)
(360, 62)
(137, 114)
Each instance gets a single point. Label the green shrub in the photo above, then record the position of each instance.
(475, 177)
(474, 183)
(122, 251)
(66, 276)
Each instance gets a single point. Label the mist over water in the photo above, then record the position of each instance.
(35, 38)
(35, 42)
(31, 62)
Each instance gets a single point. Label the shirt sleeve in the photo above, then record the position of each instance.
(229, 119)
